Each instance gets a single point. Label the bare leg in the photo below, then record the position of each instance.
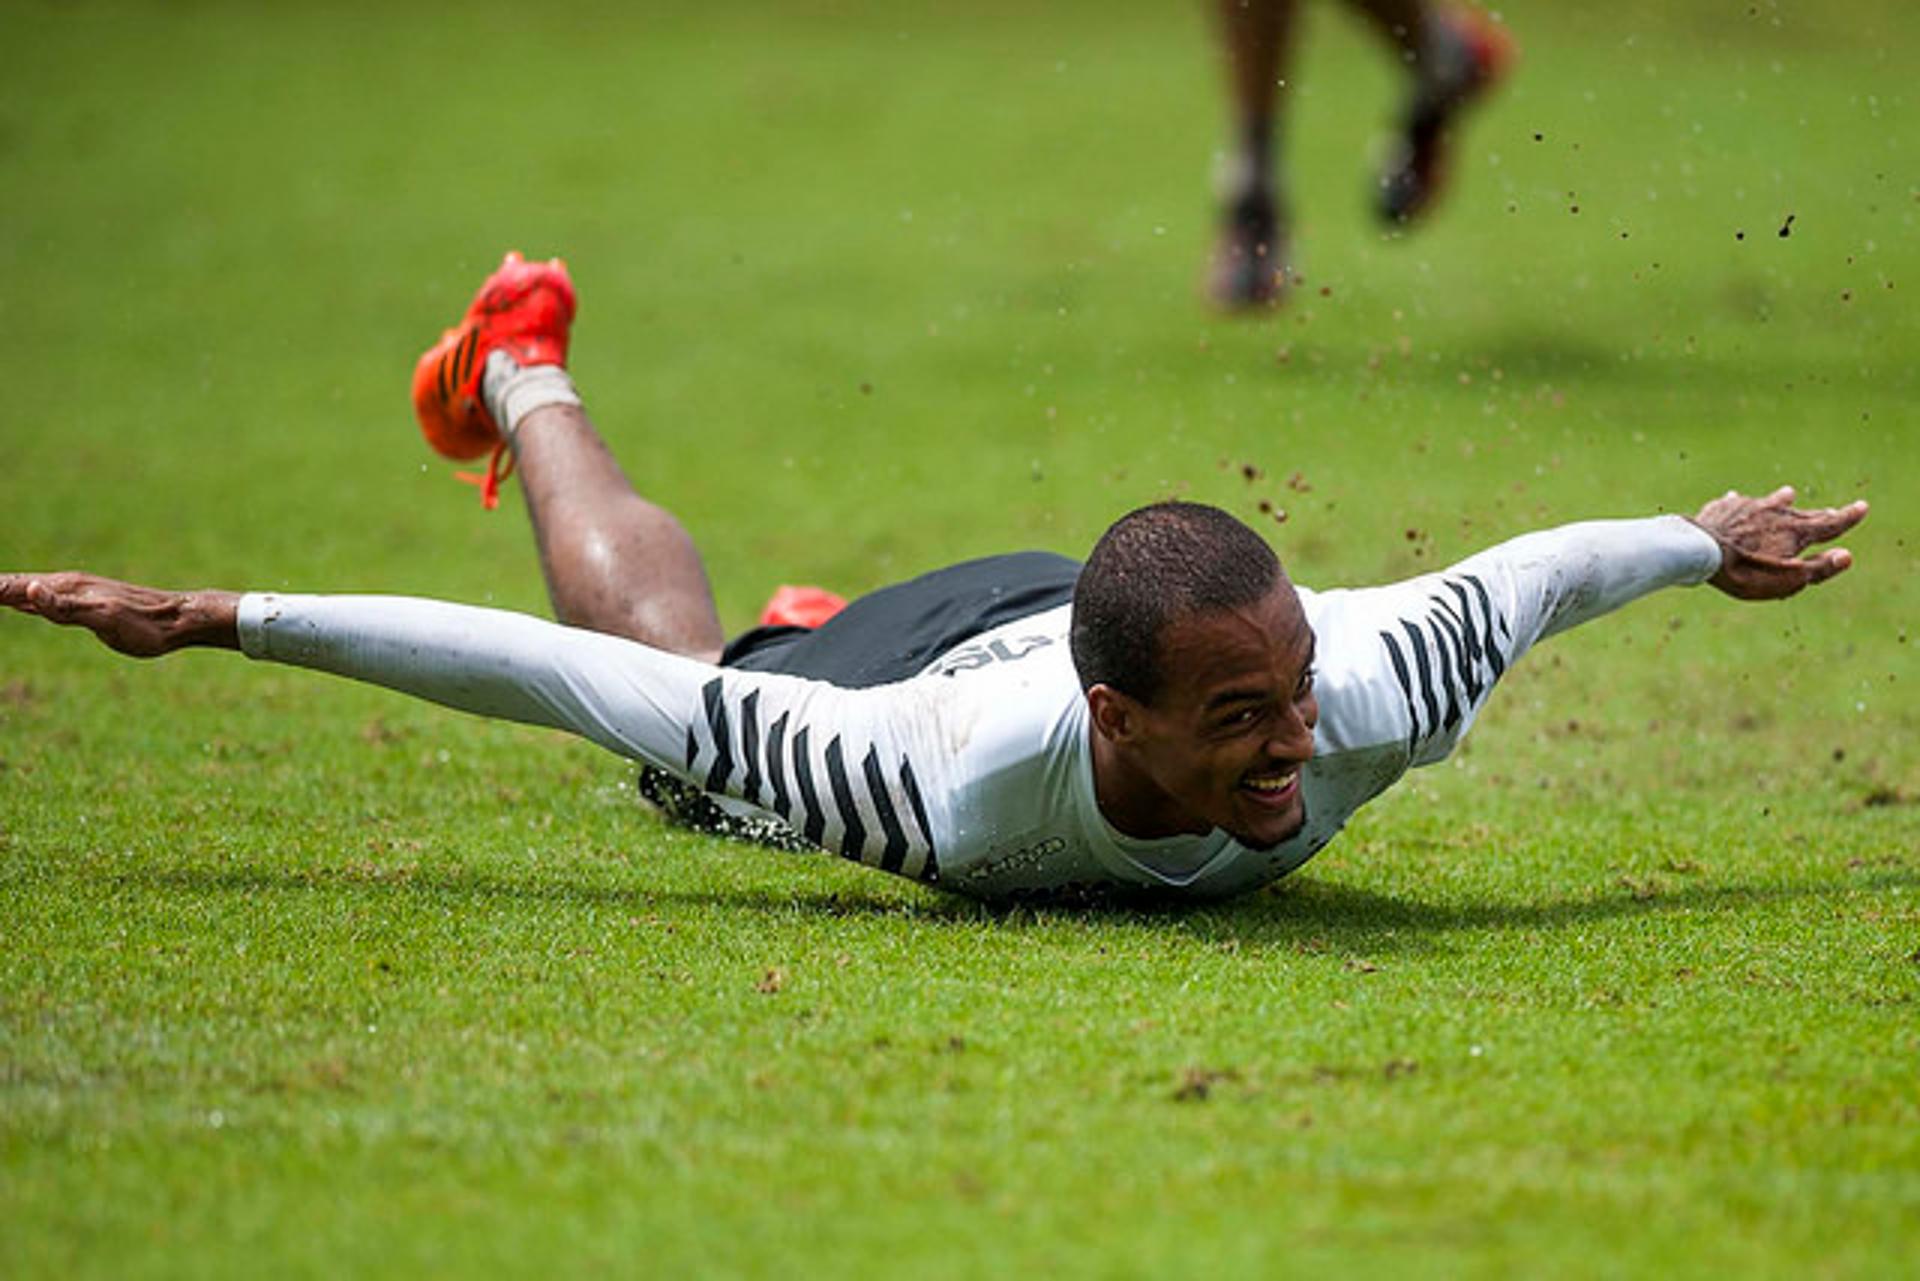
(1259, 38)
(1250, 261)
(613, 561)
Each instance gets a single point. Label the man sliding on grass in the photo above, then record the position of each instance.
(1173, 716)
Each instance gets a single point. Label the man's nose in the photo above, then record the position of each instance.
(1292, 737)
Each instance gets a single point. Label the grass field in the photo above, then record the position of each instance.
(298, 978)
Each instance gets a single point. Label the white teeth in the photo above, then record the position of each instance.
(1271, 782)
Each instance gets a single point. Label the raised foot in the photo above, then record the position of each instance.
(1475, 56)
(524, 309)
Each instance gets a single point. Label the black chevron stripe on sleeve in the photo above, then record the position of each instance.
(853, 832)
(1406, 686)
(775, 767)
(895, 853)
(1475, 646)
(1448, 657)
(911, 786)
(1448, 679)
(750, 746)
(1424, 669)
(717, 725)
(1464, 643)
(815, 825)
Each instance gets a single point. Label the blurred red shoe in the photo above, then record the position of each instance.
(800, 607)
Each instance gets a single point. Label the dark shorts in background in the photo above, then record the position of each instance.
(892, 634)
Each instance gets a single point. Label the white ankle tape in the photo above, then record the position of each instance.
(513, 391)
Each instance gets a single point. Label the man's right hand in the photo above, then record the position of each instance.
(144, 622)
(1761, 541)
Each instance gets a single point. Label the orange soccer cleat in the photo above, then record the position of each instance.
(524, 309)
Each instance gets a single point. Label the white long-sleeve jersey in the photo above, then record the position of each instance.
(978, 773)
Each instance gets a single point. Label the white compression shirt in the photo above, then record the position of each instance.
(978, 773)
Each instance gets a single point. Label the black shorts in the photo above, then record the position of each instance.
(893, 633)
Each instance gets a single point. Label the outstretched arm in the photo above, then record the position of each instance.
(856, 771)
(1562, 579)
(1442, 641)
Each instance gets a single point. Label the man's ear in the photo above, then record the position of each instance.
(1116, 716)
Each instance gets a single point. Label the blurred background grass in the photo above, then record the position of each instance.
(867, 288)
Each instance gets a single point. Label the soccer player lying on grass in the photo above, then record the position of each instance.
(1173, 716)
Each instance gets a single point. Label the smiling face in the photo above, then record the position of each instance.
(1222, 742)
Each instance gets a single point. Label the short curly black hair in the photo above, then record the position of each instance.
(1153, 565)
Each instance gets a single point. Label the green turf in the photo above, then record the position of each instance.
(301, 979)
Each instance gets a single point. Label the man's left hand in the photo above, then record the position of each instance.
(1761, 541)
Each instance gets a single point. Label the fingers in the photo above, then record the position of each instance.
(1828, 563)
(1825, 523)
(24, 592)
(19, 586)
(1784, 497)
(1776, 577)
(58, 598)
(1795, 576)
(39, 597)
(1772, 526)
